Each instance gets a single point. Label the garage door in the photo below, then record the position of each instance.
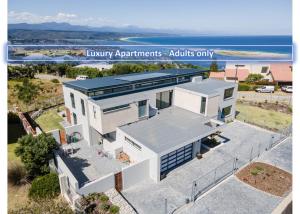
(175, 159)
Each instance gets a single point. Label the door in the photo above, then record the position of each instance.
(62, 136)
(176, 158)
(68, 113)
(118, 181)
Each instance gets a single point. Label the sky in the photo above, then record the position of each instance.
(233, 17)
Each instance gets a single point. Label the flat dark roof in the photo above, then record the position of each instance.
(104, 82)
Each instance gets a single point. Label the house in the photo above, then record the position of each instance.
(281, 73)
(231, 74)
(278, 73)
(137, 126)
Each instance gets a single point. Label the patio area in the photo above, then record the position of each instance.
(88, 163)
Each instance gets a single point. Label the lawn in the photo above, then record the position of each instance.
(49, 120)
(50, 92)
(269, 119)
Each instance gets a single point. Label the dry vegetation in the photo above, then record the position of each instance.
(267, 178)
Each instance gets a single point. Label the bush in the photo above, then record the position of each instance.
(254, 77)
(114, 209)
(55, 80)
(46, 186)
(105, 207)
(36, 152)
(16, 174)
(104, 198)
(247, 87)
(244, 87)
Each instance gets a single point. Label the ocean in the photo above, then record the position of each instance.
(239, 48)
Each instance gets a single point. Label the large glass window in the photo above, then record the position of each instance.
(75, 118)
(228, 93)
(72, 100)
(164, 99)
(203, 105)
(142, 108)
(226, 111)
(82, 106)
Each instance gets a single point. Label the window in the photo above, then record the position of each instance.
(264, 69)
(133, 143)
(228, 93)
(82, 106)
(72, 100)
(142, 108)
(75, 118)
(226, 111)
(94, 111)
(164, 99)
(203, 105)
(115, 108)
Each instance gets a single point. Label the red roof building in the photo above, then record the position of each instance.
(281, 72)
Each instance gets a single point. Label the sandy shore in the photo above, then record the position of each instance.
(255, 54)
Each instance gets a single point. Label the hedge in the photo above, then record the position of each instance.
(45, 187)
(252, 87)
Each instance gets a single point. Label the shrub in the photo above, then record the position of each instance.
(244, 87)
(16, 174)
(104, 198)
(254, 77)
(114, 209)
(105, 207)
(55, 80)
(35, 153)
(46, 186)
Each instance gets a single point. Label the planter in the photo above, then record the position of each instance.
(199, 155)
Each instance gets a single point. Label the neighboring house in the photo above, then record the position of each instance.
(231, 75)
(279, 73)
(138, 126)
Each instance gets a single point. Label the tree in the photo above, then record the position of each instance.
(27, 92)
(214, 67)
(254, 78)
(35, 153)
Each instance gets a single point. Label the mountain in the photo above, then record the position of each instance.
(68, 27)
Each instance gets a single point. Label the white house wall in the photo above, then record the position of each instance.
(187, 100)
(135, 173)
(136, 155)
(81, 119)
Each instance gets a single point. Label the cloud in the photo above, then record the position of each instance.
(31, 18)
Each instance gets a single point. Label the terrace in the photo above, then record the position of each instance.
(88, 163)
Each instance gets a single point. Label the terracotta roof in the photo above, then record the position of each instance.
(281, 72)
(217, 75)
(242, 74)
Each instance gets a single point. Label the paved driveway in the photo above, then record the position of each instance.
(234, 196)
(240, 140)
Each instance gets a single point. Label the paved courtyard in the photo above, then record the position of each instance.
(240, 140)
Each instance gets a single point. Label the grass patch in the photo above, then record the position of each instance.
(262, 117)
(49, 120)
(49, 90)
